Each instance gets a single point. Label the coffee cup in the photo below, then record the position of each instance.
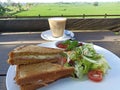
(57, 26)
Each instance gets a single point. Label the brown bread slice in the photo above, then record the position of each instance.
(36, 85)
(33, 54)
(27, 74)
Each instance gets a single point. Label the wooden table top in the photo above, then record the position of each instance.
(9, 41)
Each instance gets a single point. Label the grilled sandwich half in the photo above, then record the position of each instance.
(40, 74)
(33, 54)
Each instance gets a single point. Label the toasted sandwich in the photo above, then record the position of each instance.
(33, 54)
(41, 72)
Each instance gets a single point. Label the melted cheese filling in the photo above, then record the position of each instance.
(39, 56)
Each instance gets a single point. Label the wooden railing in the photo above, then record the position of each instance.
(81, 16)
(74, 22)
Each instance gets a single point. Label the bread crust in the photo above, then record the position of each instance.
(33, 49)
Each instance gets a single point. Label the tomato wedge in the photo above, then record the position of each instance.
(95, 75)
(60, 45)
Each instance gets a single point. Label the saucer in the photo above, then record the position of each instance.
(47, 35)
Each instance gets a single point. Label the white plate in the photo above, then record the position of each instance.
(47, 35)
(110, 82)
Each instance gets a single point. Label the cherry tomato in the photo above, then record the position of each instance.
(95, 75)
(60, 45)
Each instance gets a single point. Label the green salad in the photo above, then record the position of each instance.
(87, 61)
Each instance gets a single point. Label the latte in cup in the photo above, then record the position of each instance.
(57, 26)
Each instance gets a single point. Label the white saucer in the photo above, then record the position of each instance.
(47, 35)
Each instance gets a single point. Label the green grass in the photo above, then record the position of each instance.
(71, 9)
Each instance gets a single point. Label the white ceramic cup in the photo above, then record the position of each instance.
(57, 26)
